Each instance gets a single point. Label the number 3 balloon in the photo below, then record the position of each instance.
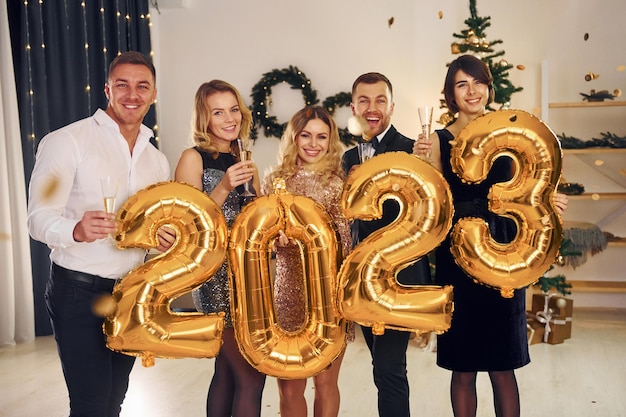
(526, 198)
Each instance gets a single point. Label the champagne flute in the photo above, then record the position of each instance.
(245, 154)
(109, 194)
(366, 151)
(426, 117)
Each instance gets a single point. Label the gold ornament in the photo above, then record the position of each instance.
(521, 67)
(526, 199)
(368, 290)
(456, 49)
(139, 321)
(445, 118)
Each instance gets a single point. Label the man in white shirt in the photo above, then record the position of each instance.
(66, 212)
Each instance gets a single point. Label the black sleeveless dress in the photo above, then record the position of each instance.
(488, 332)
(214, 295)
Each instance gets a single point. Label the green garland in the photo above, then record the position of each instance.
(607, 140)
(262, 91)
(331, 104)
(571, 188)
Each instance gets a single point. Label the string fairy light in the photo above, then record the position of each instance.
(31, 93)
(104, 39)
(119, 36)
(155, 127)
(87, 72)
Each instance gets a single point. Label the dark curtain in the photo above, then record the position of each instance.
(61, 52)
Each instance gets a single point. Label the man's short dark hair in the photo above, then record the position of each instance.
(372, 78)
(134, 58)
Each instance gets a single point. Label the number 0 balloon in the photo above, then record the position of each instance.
(265, 345)
(526, 198)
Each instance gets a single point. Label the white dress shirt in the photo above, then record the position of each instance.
(66, 182)
(382, 134)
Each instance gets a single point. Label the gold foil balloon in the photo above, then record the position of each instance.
(368, 290)
(526, 198)
(142, 323)
(265, 345)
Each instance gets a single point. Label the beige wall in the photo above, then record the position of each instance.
(335, 41)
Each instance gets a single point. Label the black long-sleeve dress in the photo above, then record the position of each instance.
(488, 332)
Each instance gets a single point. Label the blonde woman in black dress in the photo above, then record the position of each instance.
(220, 117)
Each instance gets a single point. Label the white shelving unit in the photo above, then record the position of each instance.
(601, 281)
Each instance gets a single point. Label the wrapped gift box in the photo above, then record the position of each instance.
(538, 302)
(562, 316)
(560, 329)
(536, 331)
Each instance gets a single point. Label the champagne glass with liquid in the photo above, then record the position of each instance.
(245, 154)
(109, 193)
(426, 118)
(366, 151)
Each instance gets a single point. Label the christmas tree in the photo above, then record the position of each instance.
(474, 40)
(558, 282)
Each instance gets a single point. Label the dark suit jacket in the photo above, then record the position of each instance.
(393, 141)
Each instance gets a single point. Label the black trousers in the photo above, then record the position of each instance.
(96, 377)
(389, 360)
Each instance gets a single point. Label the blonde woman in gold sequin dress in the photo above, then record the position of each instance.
(220, 117)
(310, 164)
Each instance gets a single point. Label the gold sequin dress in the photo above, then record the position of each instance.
(289, 291)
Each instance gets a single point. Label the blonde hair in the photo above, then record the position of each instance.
(201, 116)
(330, 165)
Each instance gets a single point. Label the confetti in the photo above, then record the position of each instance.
(50, 188)
(440, 14)
(390, 21)
(356, 125)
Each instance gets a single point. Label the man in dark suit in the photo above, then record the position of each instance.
(372, 101)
